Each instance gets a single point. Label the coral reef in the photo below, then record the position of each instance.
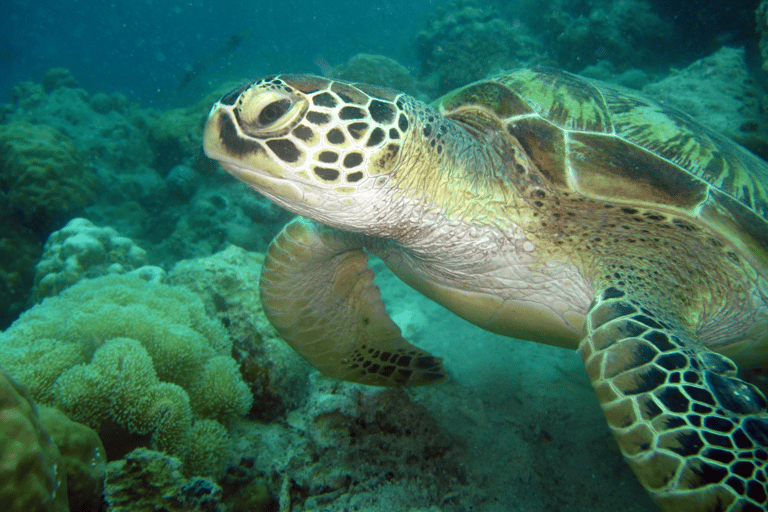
(761, 17)
(720, 93)
(578, 34)
(465, 41)
(42, 174)
(81, 250)
(19, 250)
(175, 136)
(349, 446)
(83, 458)
(377, 70)
(31, 476)
(117, 350)
(147, 481)
(228, 283)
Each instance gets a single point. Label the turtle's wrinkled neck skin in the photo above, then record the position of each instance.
(356, 158)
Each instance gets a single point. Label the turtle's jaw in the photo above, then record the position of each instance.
(245, 161)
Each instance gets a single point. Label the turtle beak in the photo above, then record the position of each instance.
(223, 140)
(244, 157)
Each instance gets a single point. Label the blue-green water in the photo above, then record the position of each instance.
(114, 136)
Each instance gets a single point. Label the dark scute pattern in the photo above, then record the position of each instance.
(660, 341)
(382, 112)
(234, 143)
(691, 377)
(717, 439)
(357, 130)
(757, 430)
(324, 99)
(649, 380)
(709, 474)
(326, 174)
(744, 469)
(700, 395)
(674, 422)
(426, 362)
(719, 424)
(690, 444)
(285, 150)
(701, 409)
(352, 160)
(304, 133)
(354, 177)
(613, 293)
(718, 455)
(674, 400)
(651, 410)
(377, 136)
(643, 354)
(336, 136)
(348, 113)
(650, 322)
(756, 491)
(402, 123)
(736, 484)
(740, 438)
(317, 117)
(672, 361)
(328, 157)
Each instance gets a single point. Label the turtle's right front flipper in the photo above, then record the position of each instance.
(695, 435)
(318, 293)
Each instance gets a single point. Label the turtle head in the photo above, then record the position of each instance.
(313, 145)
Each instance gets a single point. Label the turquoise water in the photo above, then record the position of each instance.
(142, 48)
(129, 262)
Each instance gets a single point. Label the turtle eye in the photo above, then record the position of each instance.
(274, 111)
(269, 113)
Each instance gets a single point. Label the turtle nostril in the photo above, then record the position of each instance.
(273, 111)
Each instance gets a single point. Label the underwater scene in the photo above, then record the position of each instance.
(604, 180)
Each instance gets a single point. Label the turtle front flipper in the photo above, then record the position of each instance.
(318, 293)
(694, 434)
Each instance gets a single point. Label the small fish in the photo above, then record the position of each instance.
(204, 63)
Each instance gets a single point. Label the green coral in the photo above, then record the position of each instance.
(30, 478)
(119, 350)
(467, 40)
(42, 174)
(83, 458)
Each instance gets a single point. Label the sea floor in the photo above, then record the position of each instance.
(532, 435)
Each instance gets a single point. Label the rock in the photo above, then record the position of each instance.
(720, 93)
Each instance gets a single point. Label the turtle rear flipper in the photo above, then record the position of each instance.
(694, 434)
(318, 293)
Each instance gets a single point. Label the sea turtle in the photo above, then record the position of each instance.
(539, 205)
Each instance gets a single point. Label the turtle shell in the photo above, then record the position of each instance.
(607, 143)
